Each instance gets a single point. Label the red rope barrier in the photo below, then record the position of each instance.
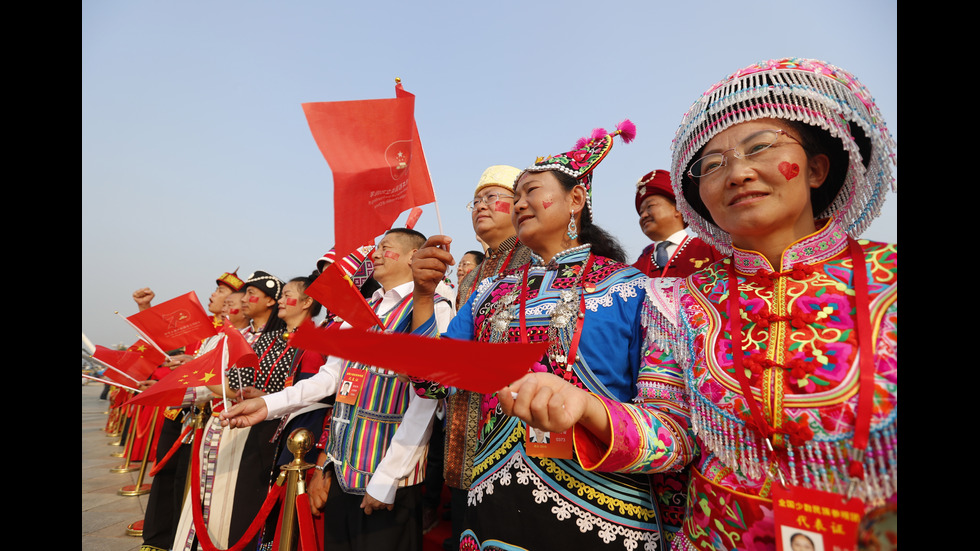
(201, 529)
(307, 542)
(173, 449)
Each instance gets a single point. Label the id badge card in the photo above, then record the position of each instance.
(350, 387)
(806, 518)
(542, 443)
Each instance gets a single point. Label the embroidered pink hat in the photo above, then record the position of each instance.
(804, 91)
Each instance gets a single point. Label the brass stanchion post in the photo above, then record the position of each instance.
(300, 442)
(139, 488)
(126, 467)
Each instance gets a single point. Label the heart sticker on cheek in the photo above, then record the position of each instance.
(547, 204)
(502, 206)
(391, 254)
(789, 170)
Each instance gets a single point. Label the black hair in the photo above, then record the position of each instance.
(306, 281)
(477, 255)
(415, 239)
(603, 243)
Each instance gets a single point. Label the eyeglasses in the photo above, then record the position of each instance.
(488, 199)
(466, 263)
(751, 147)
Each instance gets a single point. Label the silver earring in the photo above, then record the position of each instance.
(572, 232)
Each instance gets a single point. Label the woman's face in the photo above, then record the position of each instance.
(799, 542)
(767, 194)
(466, 265)
(293, 305)
(542, 209)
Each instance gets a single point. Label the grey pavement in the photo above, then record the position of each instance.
(105, 514)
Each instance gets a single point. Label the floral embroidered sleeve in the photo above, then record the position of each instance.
(653, 434)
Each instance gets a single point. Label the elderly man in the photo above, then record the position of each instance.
(674, 252)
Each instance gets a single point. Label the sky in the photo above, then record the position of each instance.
(197, 158)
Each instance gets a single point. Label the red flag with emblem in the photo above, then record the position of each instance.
(180, 321)
(378, 167)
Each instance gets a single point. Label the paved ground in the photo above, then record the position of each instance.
(105, 513)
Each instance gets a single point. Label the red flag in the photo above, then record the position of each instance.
(138, 361)
(488, 366)
(240, 353)
(336, 291)
(178, 322)
(413, 217)
(373, 151)
(169, 391)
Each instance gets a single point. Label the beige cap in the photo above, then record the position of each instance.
(498, 175)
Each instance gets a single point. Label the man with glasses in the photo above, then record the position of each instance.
(673, 252)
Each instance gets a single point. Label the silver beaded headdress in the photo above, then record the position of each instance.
(808, 91)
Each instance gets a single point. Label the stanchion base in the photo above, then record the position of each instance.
(124, 469)
(135, 529)
(132, 490)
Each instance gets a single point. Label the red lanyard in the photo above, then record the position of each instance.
(580, 319)
(862, 426)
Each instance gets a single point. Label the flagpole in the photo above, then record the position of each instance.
(116, 369)
(224, 368)
(143, 335)
(108, 382)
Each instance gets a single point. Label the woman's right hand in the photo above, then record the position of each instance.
(430, 263)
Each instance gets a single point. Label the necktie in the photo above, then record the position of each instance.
(660, 255)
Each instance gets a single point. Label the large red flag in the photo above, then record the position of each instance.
(138, 361)
(169, 391)
(335, 290)
(488, 366)
(378, 166)
(177, 322)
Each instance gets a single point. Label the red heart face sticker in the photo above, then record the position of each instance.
(789, 170)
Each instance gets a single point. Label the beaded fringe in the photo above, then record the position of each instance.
(817, 464)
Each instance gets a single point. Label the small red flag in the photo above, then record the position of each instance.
(378, 166)
(138, 361)
(177, 322)
(488, 367)
(336, 291)
(240, 353)
(169, 391)
(413, 217)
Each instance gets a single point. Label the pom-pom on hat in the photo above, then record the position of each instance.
(498, 175)
(653, 183)
(805, 91)
(587, 154)
(231, 280)
(357, 264)
(265, 282)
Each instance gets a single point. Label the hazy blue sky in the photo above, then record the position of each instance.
(197, 159)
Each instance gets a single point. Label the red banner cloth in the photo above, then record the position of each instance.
(378, 166)
(468, 365)
(178, 322)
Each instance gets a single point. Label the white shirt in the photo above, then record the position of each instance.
(407, 445)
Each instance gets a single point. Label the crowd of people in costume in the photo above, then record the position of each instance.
(734, 387)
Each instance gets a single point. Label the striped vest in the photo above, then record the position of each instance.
(360, 433)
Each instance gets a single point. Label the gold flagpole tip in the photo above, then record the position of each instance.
(397, 80)
(116, 312)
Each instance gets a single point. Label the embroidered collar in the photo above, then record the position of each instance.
(505, 245)
(825, 243)
(568, 256)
